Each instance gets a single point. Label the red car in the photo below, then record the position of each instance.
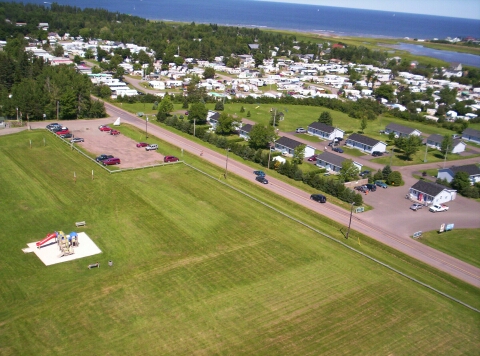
(312, 159)
(142, 144)
(114, 132)
(104, 128)
(111, 161)
(170, 159)
(62, 132)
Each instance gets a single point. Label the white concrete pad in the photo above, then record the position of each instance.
(49, 253)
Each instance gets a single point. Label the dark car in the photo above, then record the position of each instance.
(371, 187)
(111, 161)
(364, 173)
(142, 144)
(377, 153)
(170, 159)
(114, 132)
(66, 135)
(312, 159)
(333, 144)
(339, 139)
(319, 197)
(259, 173)
(58, 128)
(361, 188)
(103, 157)
(337, 149)
(261, 179)
(53, 125)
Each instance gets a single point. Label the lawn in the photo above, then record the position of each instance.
(200, 268)
(460, 243)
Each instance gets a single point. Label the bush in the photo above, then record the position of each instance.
(394, 178)
(219, 106)
(386, 172)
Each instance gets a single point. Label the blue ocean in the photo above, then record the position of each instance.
(311, 18)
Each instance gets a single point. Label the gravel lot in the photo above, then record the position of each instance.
(101, 142)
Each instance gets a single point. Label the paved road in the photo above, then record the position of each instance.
(386, 235)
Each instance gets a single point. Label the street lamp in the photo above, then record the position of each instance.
(226, 164)
(391, 155)
(146, 127)
(350, 222)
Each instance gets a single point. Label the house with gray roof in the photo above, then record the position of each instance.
(287, 146)
(324, 131)
(365, 143)
(472, 170)
(471, 135)
(431, 193)
(435, 141)
(244, 131)
(401, 131)
(333, 162)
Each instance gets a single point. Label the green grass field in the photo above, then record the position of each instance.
(201, 269)
(460, 243)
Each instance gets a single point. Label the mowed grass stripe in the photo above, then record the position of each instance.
(201, 269)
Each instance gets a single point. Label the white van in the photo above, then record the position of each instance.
(151, 147)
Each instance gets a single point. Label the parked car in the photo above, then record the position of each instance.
(337, 149)
(151, 147)
(59, 128)
(62, 132)
(77, 139)
(53, 125)
(103, 157)
(142, 144)
(331, 144)
(416, 206)
(261, 179)
(364, 173)
(67, 135)
(338, 139)
(104, 128)
(111, 161)
(312, 159)
(371, 187)
(361, 188)
(259, 173)
(379, 183)
(319, 197)
(170, 159)
(114, 132)
(377, 153)
(300, 130)
(438, 207)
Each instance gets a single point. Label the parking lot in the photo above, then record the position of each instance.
(98, 142)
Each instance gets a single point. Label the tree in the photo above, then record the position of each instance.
(248, 113)
(325, 118)
(58, 51)
(166, 105)
(219, 106)
(276, 117)
(209, 73)
(242, 109)
(298, 154)
(386, 171)
(349, 171)
(409, 145)
(363, 124)
(260, 136)
(447, 144)
(378, 175)
(448, 96)
(185, 104)
(384, 91)
(461, 182)
(198, 112)
(394, 178)
(225, 124)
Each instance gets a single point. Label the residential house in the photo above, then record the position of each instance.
(471, 135)
(365, 143)
(333, 162)
(435, 141)
(244, 131)
(431, 193)
(401, 131)
(324, 131)
(212, 118)
(287, 146)
(472, 170)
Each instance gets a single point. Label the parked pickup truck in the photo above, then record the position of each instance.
(438, 207)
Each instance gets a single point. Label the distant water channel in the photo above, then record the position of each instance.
(448, 56)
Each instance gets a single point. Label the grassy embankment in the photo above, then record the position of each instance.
(199, 267)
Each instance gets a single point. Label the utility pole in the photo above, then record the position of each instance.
(57, 108)
(194, 121)
(445, 159)
(350, 222)
(425, 158)
(146, 127)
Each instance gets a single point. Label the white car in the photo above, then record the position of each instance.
(300, 130)
(438, 207)
(151, 147)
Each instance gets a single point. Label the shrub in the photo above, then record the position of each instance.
(394, 178)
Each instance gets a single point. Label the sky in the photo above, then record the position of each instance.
(451, 8)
